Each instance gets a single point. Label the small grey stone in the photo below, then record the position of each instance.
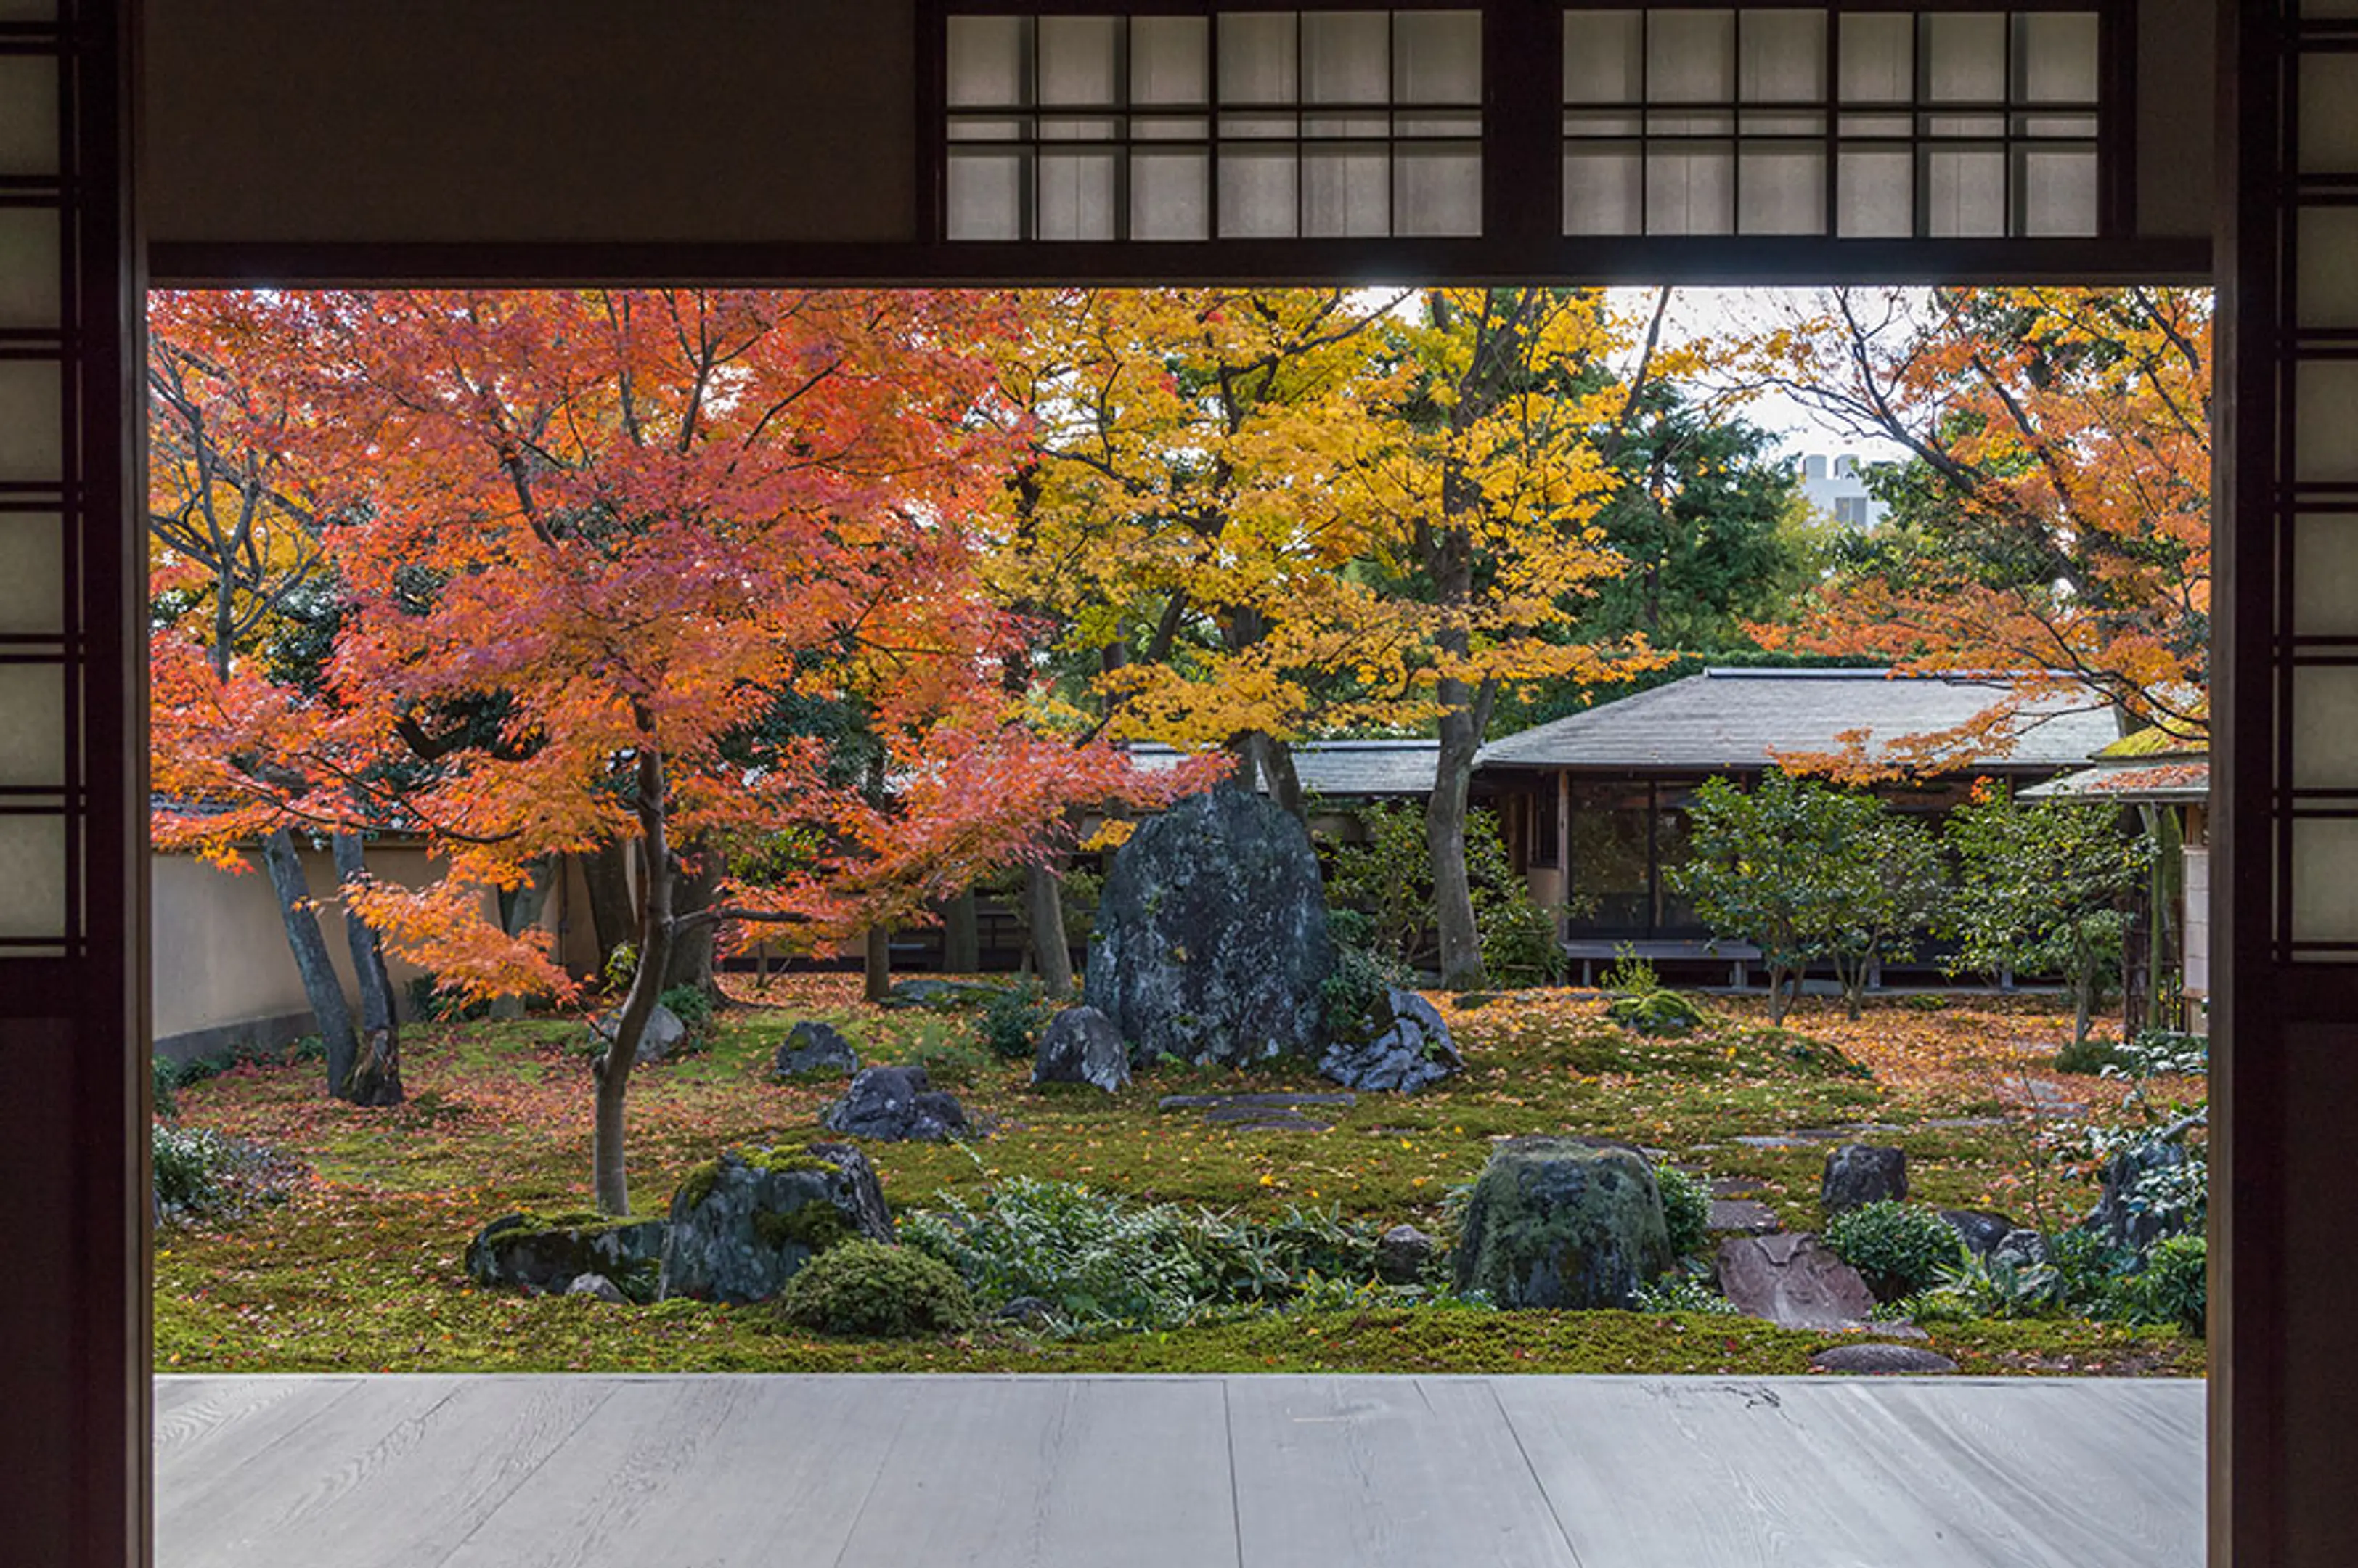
(813, 1050)
(2023, 1248)
(1861, 1173)
(1029, 1311)
(896, 1105)
(1980, 1231)
(598, 1288)
(1081, 1045)
(662, 1036)
(1881, 1359)
(1401, 1254)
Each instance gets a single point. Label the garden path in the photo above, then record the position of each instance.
(1189, 1472)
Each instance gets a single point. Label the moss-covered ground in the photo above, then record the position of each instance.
(361, 1268)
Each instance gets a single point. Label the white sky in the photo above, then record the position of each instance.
(1711, 312)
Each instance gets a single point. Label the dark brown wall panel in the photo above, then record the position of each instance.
(689, 121)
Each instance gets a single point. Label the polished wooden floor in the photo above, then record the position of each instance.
(1328, 1472)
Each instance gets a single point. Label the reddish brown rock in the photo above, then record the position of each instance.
(1793, 1282)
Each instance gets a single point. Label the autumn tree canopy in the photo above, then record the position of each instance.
(599, 540)
(2054, 522)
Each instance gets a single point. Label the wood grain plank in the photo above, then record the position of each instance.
(1055, 1473)
(239, 1413)
(708, 1471)
(1375, 1471)
(401, 1475)
(1853, 1474)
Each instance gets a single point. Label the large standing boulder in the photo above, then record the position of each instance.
(543, 1254)
(896, 1105)
(742, 1225)
(1412, 1052)
(1793, 1281)
(1562, 1222)
(1211, 940)
(663, 1033)
(1081, 1045)
(1860, 1174)
(816, 1050)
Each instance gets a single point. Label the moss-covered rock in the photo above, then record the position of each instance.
(542, 1254)
(742, 1225)
(1561, 1222)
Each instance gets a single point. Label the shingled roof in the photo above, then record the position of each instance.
(1738, 719)
(1343, 770)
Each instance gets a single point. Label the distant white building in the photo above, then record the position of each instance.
(1837, 487)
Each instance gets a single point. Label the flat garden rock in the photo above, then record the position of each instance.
(544, 1254)
(929, 992)
(1735, 1187)
(1412, 1052)
(1562, 1222)
(1792, 1281)
(1881, 1360)
(1210, 940)
(1081, 1045)
(816, 1050)
(1262, 1119)
(1859, 1174)
(1209, 1102)
(897, 1105)
(746, 1224)
(1743, 1217)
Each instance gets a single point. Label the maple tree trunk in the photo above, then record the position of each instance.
(1269, 760)
(876, 964)
(1777, 977)
(961, 936)
(1043, 913)
(612, 1067)
(329, 1010)
(375, 1077)
(524, 907)
(613, 914)
(1445, 838)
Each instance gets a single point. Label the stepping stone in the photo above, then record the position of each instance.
(1277, 1101)
(1735, 1187)
(1773, 1140)
(1881, 1360)
(1743, 1217)
(1262, 1119)
(1968, 1123)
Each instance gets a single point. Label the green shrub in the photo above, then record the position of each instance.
(2171, 1288)
(1898, 1250)
(1661, 1012)
(203, 1174)
(429, 1001)
(1101, 1260)
(621, 963)
(1353, 996)
(2093, 1057)
(1686, 1210)
(951, 1059)
(1681, 1292)
(692, 1005)
(1518, 942)
(1014, 1020)
(166, 1083)
(876, 1290)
